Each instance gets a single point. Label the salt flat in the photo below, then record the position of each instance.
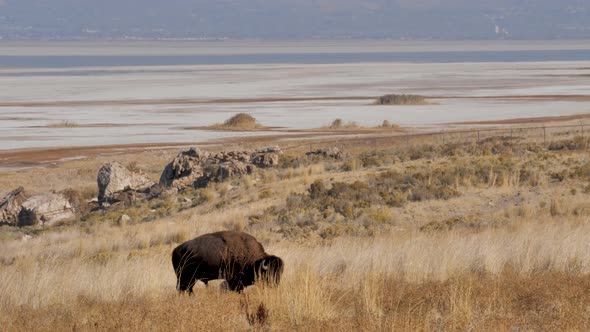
(166, 99)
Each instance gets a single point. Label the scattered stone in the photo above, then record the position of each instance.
(331, 153)
(114, 178)
(45, 210)
(11, 205)
(185, 200)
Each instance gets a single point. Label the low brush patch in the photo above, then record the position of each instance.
(394, 99)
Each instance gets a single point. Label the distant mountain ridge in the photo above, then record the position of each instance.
(294, 19)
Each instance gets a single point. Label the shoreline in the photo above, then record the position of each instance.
(15, 159)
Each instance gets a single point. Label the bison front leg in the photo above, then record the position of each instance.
(185, 281)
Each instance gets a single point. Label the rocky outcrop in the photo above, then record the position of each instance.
(329, 153)
(11, 205)
(184, 170)
(198, 169)
(45, 210)
(114, 178)
(268, 157)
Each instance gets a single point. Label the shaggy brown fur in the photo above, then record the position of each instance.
(234, 256)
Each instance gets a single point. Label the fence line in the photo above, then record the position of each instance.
(477, 135)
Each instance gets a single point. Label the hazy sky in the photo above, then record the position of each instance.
(288, 19)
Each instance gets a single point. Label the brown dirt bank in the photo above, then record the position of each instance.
(578, 98)
(46, 157)
(543, 119)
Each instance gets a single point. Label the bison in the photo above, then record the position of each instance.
(236, 257)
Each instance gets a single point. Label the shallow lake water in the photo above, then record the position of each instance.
(123, 104)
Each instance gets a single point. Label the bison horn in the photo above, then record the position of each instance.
(264, 265)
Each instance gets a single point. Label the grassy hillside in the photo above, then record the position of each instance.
(455, 236)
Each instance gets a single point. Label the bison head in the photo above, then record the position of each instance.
(269, 270)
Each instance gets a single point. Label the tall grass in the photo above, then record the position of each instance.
(61, 269)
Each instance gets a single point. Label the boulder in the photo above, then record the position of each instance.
(46, 210)
(11, 205)
(266, 158)
(114, 178)
(184, 170)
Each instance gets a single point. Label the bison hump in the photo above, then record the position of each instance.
(242, 247)
(238, 247)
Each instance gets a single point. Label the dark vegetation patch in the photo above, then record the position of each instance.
(340, 208)
(333, 208)
(340, 124)
(577, 143)
(395, 99)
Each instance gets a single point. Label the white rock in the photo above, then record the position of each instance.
(114, 177)
(46, 210)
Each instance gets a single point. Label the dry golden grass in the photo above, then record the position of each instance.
(509, 253)
(533, 276)
(81, 174)
(551, 302)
